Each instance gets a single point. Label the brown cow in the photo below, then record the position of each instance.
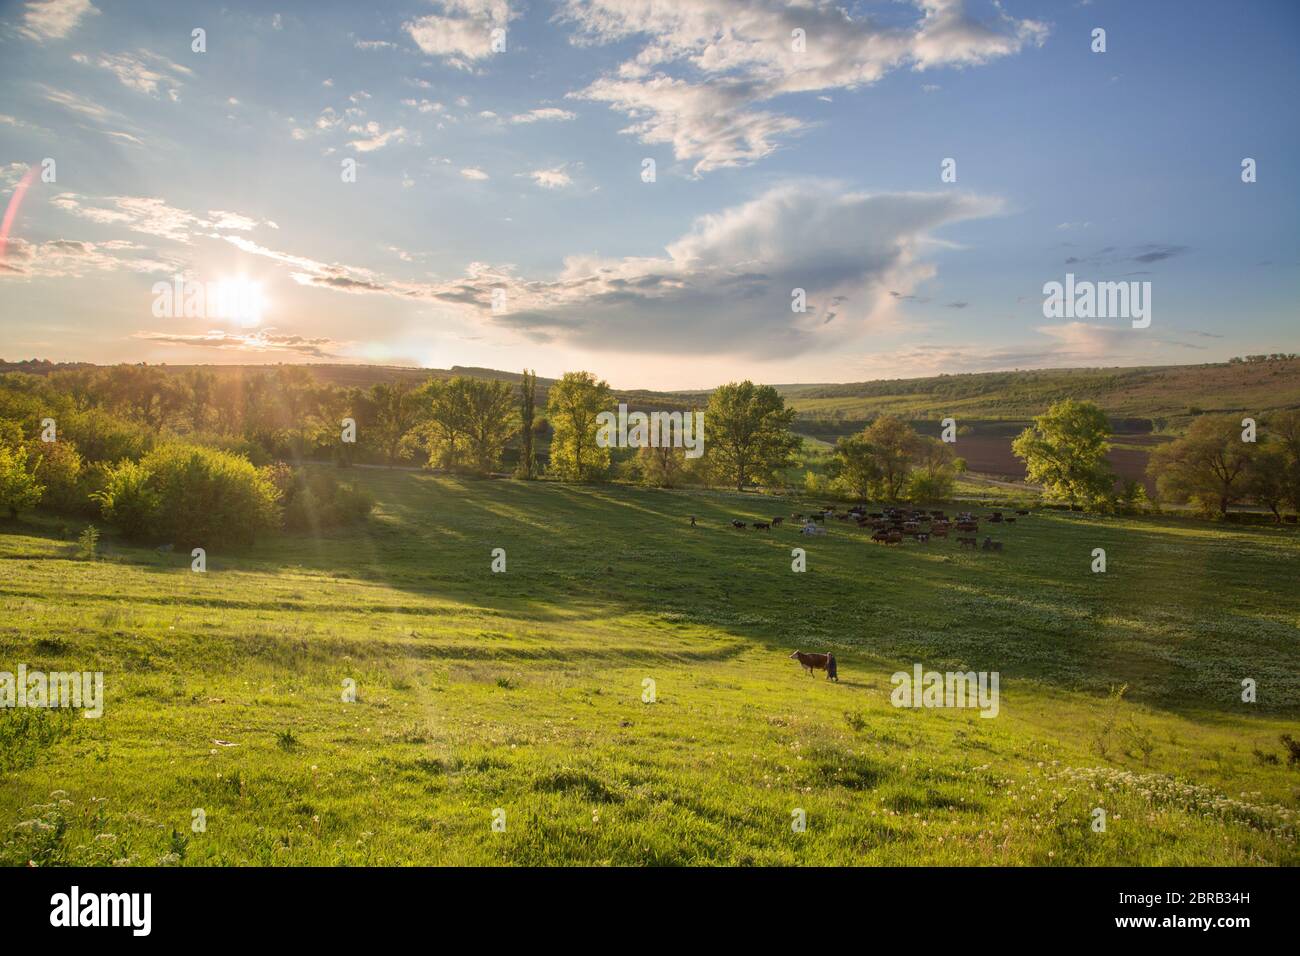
(821, 662)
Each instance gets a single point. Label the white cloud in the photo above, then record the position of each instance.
(1066, 345)
(424, 106)
(1086, 341)
(328, 119)
(74, 258)
(9, 175)
(152, 216)
(374, 137)
(144, 72)
(555, 178)
(473, 172)
(53, 19)
(722, 288)
(124, 137)
(461, 33)
(79, 104)
(263, 340)
(708, 124)
(541, 114)
(706, 65)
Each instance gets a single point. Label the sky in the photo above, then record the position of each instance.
(648, 189)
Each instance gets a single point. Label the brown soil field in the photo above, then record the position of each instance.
(991, 455)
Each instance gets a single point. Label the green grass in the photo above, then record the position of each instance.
(523, 691)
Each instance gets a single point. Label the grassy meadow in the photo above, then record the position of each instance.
(522, 691)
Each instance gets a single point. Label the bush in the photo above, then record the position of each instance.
(128, 501)
(88, 541)
(316, 499)
(18, 488)
(932, 487)
(57, 465)
(815, 484)
(189, 495)
(100, 436)
(233, 445)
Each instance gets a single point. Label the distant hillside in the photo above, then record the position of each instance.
(1151, 398)
(364, 376)
(1167, 395)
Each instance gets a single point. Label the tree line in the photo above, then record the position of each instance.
(1220, 461)
(128, 435)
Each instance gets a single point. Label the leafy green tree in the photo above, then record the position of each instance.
(1065, 452)
(57, 466)
(747, 433)
(1208, 466)
(893, 444)
(1266, 478)
(444, 430)
(490, 409)
(527, 422)
(19, 489)
(467, 422)
(935, 475)
(99, 435)
(200, 389)
(1283, 428)
(662, 467)
(856, 470)
(1131, 497)
(572, 407)
(396, 411)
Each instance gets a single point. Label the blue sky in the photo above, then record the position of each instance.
(499, 215)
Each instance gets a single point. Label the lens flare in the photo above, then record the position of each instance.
(15, 200)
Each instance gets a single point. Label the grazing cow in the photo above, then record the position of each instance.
(1022, 511)
(817, 516)
(968, 542)
(921, 537)
(1010, 520)
(797, 516)
(692, 521)
(777, 520)
(762, 526)
(880, 537)
(737, 523)
(821, 662)
(991, 545)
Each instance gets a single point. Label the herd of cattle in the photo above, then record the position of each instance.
(892, 525)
